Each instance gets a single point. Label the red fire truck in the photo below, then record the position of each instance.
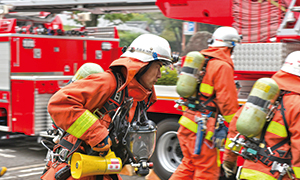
(37, 58)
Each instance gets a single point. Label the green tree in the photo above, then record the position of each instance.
(168, 76)
(118, 16)
(127, 37)
(170, 29)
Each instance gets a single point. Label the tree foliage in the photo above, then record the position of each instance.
(168, 76)
(127, 37)
(118, 16)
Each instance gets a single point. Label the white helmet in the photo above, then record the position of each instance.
(292, 63)
(225, 36)
(149, 47)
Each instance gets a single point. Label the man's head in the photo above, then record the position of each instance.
(149, 74)
(152, 49)
(225, 37)
(292, 63)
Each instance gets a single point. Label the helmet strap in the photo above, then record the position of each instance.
(139, 74)
(231, 50)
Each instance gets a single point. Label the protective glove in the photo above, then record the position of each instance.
(229, 168)
(103, 147)
(219, 136)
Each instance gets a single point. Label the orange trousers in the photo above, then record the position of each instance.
(206, 165)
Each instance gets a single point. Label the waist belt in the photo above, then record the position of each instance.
(266, 155)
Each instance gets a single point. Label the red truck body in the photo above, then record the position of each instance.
(33, 67)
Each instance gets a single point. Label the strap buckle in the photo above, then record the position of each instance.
(98, 113)
(63, 154)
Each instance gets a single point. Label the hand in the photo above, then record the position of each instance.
(220, 136)
(229, 168)
(103, 147)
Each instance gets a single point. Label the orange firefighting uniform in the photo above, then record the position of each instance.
(218, 80)
(275, 132)
(72, 107)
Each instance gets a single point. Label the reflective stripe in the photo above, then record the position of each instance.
(206, 88)
(82, 124)
(218, 158)
(209, 135)
(251, 174)
(297, 171)
(277, 128)
(189, 124)
(236, 147)
(228, 118)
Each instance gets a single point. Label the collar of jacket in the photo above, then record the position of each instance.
(220, 53)
(287, 81)
(132, 67)
(138, 92)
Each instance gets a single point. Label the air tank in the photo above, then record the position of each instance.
(188, 79)
(87, 69)
(253, 116)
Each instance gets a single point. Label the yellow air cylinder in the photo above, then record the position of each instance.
(187, 82)
(253, 116)
(85, 165)
(87, 69)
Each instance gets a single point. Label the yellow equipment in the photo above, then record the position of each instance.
(87, 69)
(85, 165)
(2, 171)
(253, 116)
(188, 79)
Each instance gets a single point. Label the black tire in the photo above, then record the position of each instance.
(167, 155)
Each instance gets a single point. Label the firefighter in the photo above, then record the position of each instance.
(282, 143)
(218, 87)
(83, 107)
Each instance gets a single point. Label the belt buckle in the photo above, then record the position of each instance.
(98, 113)
(63, 154)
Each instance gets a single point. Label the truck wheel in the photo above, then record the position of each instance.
(167, 155)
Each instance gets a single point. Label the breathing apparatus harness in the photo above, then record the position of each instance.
(255, 149)
(193, 103)
(120, 128)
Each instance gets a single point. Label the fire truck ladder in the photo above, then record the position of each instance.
(285, 29)
(93, 6)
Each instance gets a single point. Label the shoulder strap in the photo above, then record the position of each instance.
(204, 67)
(287, 140)
(266, 156)
(116, 99)
(284, 120)
(209, 99)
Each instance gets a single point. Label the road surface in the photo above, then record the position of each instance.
(24, 159)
